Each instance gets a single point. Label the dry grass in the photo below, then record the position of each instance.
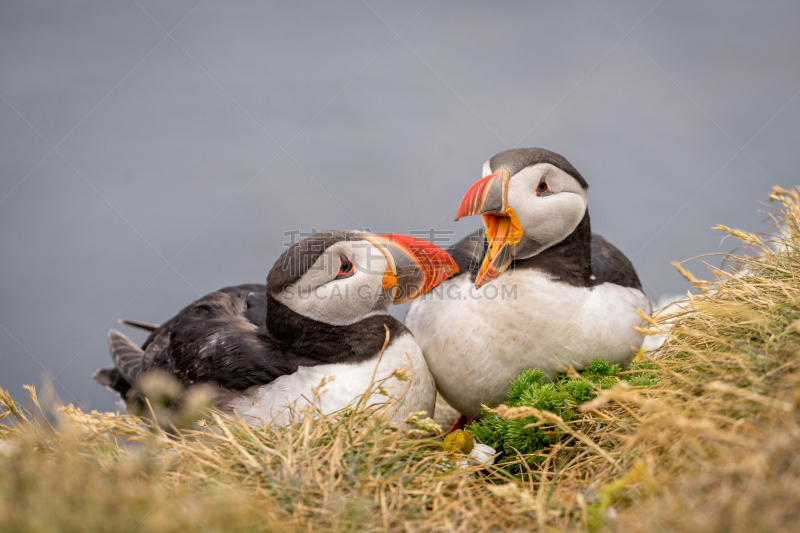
(712, 448)
(718, 444)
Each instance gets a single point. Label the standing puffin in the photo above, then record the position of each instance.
(536, 289)
(322, 313)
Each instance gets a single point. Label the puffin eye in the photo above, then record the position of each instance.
(542, 188)
(346, 268)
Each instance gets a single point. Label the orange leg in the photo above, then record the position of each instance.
(461, 422)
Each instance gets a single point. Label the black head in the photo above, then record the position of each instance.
(296, 261)
(516, 159)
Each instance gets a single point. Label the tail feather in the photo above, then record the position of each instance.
(126, 355)
(111, 379)
(147, 326)
(104, 376)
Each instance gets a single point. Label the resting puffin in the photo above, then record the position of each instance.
(536, 289)
(321, 313)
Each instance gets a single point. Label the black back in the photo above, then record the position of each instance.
(609, 265)
(468, 253)
(223, 338)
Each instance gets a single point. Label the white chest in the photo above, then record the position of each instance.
(268, 403)
(477, 341)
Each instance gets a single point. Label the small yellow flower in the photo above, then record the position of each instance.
(459, 441)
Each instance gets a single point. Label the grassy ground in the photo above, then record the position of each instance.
(708, 444)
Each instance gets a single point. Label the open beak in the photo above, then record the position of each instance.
(415, 265)
(489, 197)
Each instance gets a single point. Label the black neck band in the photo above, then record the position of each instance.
(328, 343)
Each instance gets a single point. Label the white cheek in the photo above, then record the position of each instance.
(341, 301)
(348, 300)
(550, 219)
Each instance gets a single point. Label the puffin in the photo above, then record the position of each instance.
(322, 315)
(536, 289)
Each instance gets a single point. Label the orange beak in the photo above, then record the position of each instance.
(489, 197)
(415, 265)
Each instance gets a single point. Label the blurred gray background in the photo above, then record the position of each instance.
(152, 152)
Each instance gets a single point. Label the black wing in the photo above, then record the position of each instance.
(609, 265)
(221, 338)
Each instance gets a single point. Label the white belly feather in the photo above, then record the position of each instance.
(477, 341)
(268, 403)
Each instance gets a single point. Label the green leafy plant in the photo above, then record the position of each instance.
(531, 388)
